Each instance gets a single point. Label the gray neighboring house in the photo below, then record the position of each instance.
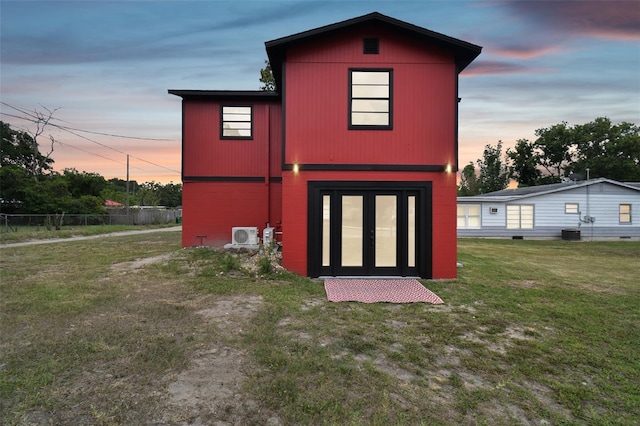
(597, 208)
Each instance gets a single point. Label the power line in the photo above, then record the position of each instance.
(88, 152)
(35, 119)
(114, 136)
(82, 130)
(67, 144)
(117, 150)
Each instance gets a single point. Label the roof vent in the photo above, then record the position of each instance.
(370, 46)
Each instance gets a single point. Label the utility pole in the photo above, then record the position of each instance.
(128, 218)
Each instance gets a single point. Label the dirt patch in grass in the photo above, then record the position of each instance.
(524, 284)
(210, 389)
(138, 264)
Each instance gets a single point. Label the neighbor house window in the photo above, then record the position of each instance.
(520, 217)
(571, 208)
(468, 216)
(370, 99)
(236, 122)
(624, 212)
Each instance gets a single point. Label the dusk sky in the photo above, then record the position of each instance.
(107, 66)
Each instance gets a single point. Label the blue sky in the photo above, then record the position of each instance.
(107, 66)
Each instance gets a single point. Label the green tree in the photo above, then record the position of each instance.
(266, 78)
(20, 149)
(14, 182)
(49, 195)
(170, 195)
(84, 183)
(147, 194)
(523, 164)
(494, 175)
(555, 154)
(607, 150)
(469, 184)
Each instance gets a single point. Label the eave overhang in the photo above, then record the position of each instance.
(227, 95)
(464, 52)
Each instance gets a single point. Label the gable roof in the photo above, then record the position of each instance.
(531, 191)
(464, 52)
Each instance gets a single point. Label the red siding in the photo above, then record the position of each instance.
(205, 154)
(275, 204)
(445, 243)
(424, 103)
(210, 210)
(295, 214)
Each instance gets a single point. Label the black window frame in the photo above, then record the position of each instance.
(222, 122)
(388, 126)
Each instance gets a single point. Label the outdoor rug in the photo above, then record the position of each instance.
(378, 290)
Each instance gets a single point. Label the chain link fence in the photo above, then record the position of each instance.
(135, 216)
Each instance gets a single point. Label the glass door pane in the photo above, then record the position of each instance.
(386, 232)
(411, 213)
(326, 230)
(352, 230)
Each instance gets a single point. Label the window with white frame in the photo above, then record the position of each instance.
(236, 122)
(571, 208)
(520, 216)
(370, 98)
(468, 216)
(624, 213)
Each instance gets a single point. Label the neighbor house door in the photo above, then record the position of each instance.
(372, 229)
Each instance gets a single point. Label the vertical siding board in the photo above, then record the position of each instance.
(205, 154)
(317, 104)
(275, 140)
(211, 209)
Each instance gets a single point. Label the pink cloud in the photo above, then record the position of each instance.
(483, 68)
(601, 19)
(524, 52)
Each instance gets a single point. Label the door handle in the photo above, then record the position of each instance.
(372, 237)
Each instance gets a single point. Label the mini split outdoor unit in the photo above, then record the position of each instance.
(244, 235)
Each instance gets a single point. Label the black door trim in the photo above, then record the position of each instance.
(423, 190)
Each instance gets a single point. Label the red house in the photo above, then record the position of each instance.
(354, 154)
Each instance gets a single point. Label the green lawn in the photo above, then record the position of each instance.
(29, 233)
(531, 332)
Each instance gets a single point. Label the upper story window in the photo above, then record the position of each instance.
(236, 122)
(520, 216)
(371, 99)
(624, 213)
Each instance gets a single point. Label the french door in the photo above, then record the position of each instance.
(369, 229)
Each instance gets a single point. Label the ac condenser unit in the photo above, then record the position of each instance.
(244, 235)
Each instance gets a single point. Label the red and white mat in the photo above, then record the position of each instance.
(378, 290)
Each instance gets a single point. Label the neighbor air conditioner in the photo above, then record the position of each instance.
(244, 235)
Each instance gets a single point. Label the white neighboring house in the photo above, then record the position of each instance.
(597, 208)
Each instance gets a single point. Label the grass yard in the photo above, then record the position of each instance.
(135, 330)
(29, 233)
